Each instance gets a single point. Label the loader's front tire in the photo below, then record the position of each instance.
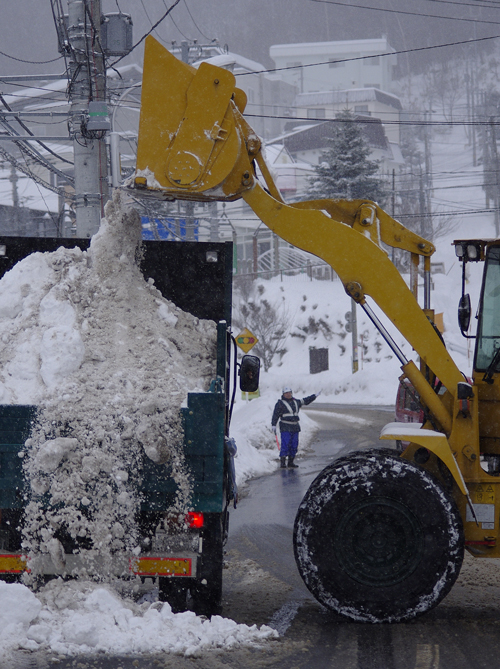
(377, 539)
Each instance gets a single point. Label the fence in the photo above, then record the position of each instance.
(307, 272)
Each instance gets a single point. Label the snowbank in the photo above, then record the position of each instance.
(83, 618)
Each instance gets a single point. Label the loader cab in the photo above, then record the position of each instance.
(486, 357)
(486, 372)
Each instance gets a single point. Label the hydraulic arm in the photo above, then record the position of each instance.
(377, 537)
(194, 144)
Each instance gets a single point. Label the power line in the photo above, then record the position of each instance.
(464, 212)
(371, 121)
(175, 24)
(402, 11)
(147, 15)
(25, 127)
(461, 186)
(31, 62)
(196, 25)
(492, 5)
(27, 171)
(375, 55)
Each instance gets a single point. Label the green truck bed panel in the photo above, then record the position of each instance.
(204, 452)
(15, 428)
(203, 447)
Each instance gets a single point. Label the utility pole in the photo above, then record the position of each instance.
(352, 327)
(87, 83)
(496, 188)
(214, 221)
(15, 200)
(427, 221)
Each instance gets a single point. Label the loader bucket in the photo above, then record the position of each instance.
(191, 132)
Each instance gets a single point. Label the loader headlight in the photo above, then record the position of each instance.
(468, 251)
(472, 252)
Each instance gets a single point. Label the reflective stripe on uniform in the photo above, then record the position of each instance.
(292, 413)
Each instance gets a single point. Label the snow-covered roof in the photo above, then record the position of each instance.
(26, 94)
(339, 46)
(309, 137)
(300, 127)
(349, 96)
(277, 152)
(234, 62)
(128, 70)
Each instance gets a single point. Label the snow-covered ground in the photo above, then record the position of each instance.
(85, 618)
(75, 618)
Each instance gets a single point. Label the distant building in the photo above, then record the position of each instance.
(290, 174)
(344, 64)
(366, 101)
(306, 143)
(26, 222)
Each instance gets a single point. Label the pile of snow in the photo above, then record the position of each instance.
(84, 618)
(108, 361)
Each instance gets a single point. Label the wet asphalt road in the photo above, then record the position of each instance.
(262, 586)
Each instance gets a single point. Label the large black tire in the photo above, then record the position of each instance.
(207, 592)
(377, 539)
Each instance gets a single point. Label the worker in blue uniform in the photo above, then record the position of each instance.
(286, 412)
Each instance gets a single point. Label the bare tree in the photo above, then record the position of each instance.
(444, 86)
(270, 323)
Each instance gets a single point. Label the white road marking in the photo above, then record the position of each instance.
(427, 656)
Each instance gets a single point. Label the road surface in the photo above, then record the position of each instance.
(262, 586)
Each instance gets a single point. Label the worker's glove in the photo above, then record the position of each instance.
(274, 428)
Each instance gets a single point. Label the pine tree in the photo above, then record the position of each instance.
(344, 170)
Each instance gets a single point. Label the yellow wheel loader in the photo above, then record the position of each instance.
(379, 537)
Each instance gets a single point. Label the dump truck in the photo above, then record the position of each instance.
(181, 554)
(379, 536)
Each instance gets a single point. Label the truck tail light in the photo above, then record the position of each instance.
(194, 519)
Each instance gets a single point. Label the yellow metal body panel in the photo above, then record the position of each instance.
(193, 147)
(435, 442)
(189, 139)
(161, 566)
(13, 564)
(483, 493)
(363, 215)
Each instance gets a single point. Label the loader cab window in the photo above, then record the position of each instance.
(488, 340)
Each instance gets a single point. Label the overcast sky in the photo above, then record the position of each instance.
(249, 27)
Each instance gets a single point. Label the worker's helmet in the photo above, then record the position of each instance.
(286, 390)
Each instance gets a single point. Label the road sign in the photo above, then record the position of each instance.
(246, 340)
